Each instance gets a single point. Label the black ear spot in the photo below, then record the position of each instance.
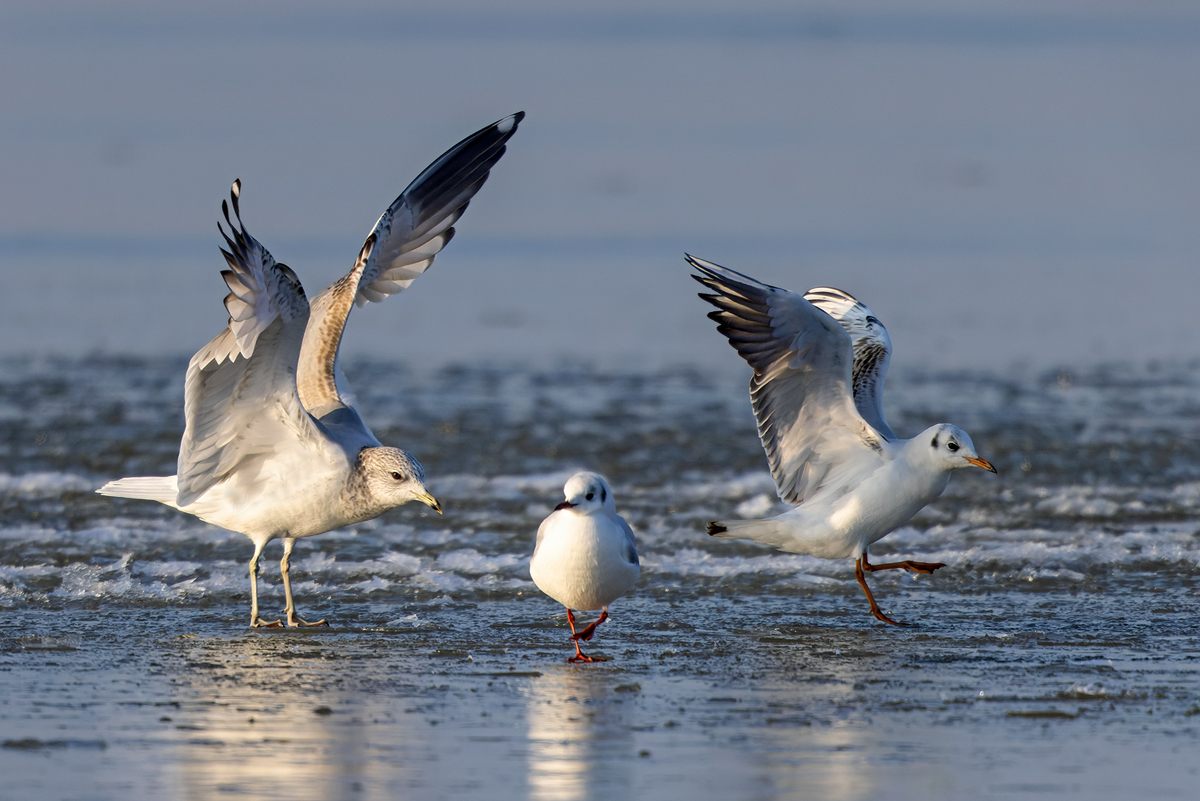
(603, 495)
(934, 443)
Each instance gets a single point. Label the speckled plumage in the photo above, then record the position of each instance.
(273, 446)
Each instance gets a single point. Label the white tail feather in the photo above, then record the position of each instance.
(768, 532)
(151, 488)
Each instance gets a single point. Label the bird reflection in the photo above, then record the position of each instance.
(268, 719)
(576, 723)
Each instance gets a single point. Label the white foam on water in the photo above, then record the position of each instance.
(470, 562)
(44, 485)
(696, 562)
(513, 487)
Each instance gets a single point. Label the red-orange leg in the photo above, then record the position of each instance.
(862, 582)
(587, 633)
(580, 656)
(914, 567)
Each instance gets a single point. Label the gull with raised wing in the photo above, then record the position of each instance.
(585, 557)
(273, 446)
(819, 365)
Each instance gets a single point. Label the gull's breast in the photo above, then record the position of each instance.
(884, 502)
(279, 499)
(581, 563)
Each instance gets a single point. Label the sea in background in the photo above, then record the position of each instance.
(1011, 187)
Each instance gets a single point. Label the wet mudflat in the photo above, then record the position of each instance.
(1010, 695)
(1057, 654)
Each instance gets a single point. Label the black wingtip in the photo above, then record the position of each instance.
(715, 528)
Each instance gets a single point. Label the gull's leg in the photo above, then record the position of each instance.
(915, 567)
(290, 609)
(255, 620)
(587, 633)
(580, 656)
(862, 582)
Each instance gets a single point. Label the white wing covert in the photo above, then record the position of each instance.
(240, 399)
(872, 351)
(814, 437)
(400, 248)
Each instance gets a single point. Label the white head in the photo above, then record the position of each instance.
(587, 493)
(949, 447)
(384, 478)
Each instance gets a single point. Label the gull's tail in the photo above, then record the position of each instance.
(151, 488)
(768, 532)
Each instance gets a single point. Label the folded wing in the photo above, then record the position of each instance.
(240, 401)
(814, 437)
(401, 247)
(872, 351)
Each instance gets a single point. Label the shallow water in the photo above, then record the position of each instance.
(1057, 653)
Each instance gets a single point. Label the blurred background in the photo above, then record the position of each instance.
(1007, 184)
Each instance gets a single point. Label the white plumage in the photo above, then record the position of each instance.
(819, 366)
(585, 557)
(273, 446)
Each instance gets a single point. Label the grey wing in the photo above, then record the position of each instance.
(240, 401)
(813, 435)
(872, 351)
(630, 553)
(403, 244)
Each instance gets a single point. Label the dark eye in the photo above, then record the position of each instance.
(953, 446)
(397, 475)
(590, 495)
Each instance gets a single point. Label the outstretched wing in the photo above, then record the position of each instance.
(814, 437)
(403, 244)
(240, 401)
(872, 350)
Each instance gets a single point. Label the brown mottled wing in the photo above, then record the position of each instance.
(815, 440)
(872, 351)
(401, 247)
(240, 399)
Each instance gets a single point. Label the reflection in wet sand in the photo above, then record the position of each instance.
(576, 720)
(824, 758)
(265, 717)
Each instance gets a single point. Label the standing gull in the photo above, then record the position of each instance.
(585, 557)
(819, 365)
(273, 445)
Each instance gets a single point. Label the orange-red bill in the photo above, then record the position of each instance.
(984, 463)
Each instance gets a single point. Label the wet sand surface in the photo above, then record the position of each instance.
(1013, 695)
(1057, 653)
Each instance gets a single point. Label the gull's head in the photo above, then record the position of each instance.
(952, 448)
(389, 477)
(587, 493)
